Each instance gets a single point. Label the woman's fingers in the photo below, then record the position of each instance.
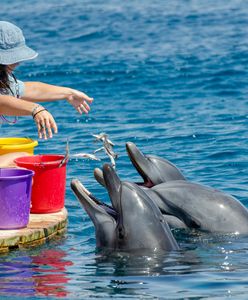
(87, 98)
(48, 128)
(42, 130)
(82, 107)
(80, 101)
(45, 124)
(53, 125)
(39, 130)
(85, 104)
(79, 110)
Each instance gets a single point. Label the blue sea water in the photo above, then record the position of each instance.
(170, 76)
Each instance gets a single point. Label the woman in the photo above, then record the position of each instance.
(19, 98)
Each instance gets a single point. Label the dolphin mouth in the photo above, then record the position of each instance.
(136, 155)
(80, 190)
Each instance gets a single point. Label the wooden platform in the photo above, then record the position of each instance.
(41, 228)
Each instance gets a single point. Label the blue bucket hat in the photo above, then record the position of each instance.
(13, 48)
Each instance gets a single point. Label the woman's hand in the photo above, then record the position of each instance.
(79, 100)
(45, 123)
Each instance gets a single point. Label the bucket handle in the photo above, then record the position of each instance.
(66, 157)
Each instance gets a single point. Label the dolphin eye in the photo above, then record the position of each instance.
(121, 234)
(194, 224)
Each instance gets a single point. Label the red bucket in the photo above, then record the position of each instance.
(49, 181)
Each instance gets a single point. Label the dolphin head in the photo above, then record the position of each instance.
(154, 170)
(103, 217)
(140, 224)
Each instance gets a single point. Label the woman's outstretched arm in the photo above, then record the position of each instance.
(43, 92)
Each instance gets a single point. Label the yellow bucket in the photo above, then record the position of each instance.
(8, 145)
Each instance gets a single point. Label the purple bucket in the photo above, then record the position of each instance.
(15, 196)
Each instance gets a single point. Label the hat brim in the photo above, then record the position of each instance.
(16, 55)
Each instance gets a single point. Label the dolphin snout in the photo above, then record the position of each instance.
(133, 151)
(98, 174)
(74, 183)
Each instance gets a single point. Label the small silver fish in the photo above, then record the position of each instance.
(104, 138)
(107, 147)
(86, 155)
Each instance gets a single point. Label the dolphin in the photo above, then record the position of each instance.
(132, 223)
(153, 169)
(185, 204)
(195, 205)
(201, 207)
(191, 205)
(103, 216)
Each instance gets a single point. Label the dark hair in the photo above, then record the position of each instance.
(4, 78)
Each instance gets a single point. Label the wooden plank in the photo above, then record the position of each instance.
(41, 227)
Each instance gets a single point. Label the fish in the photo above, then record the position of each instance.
(86, 155)
(107, 147)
